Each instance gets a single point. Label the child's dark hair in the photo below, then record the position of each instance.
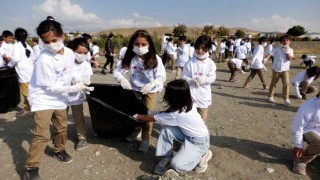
(177, 96)
(47, 26)
(313, 71)
(6, 33)
(262, 39)
(182, 38)
(86, 36)
(74, 44)
(110, 35)
(150, 58)
(304, 56)
(1, 38)
(286, 36)
(21, 35)
(203, 40)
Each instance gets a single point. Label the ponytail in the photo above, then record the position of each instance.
(21, 35)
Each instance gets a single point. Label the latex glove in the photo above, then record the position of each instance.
(125, 84)
(151, 112)
(194, 82)
(147, 88)
(135, 116)
(264, 60)
(86, 81)
(201, 80)
(80, 87)
(285, 49)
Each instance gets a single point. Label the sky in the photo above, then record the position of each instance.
(97, 15)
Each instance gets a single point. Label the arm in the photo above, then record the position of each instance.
(144, 118)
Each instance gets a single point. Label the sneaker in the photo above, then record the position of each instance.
(102, 72)
(134, 135)
(31, 173)
(63, 156)
(203, 164)
(299, 167)
(21, 113)
(242, 72)
(161, 167)
(82, 144)
(287, 102)
(265, 87)
(246, 86)
(270, 99)
(144, 146)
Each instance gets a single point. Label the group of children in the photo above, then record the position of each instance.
(58, 77)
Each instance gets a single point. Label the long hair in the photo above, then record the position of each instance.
(313, 71)
(47, 26)
(150, 59)
(21, 35)
(177, 96)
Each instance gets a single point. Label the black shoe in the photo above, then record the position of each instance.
(63, 156)
(82, 144)
(31, 173)
(102, 72)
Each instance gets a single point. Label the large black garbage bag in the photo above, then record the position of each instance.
(9, 89)
(111, 109)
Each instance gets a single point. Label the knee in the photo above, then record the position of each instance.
(178, 165)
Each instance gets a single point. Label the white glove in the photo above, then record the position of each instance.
(58, 89)
(194, 82)
(285, 49)
(80, 87)
(202, 80)
(135, 117)
(86, 81)
(147, 88)
(125, 84)
(264, 60)
(151, 112)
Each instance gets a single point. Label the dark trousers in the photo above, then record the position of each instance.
(110, 61)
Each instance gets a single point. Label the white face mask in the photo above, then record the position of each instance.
(264, 44)
(141, 51)
(54, 47)
(201, 57)
(285, 46)
(80, 57)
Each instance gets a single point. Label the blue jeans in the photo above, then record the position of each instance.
(190, 152)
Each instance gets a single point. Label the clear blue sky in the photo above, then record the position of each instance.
(96, 15)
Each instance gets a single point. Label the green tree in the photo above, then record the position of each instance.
(296, 31)
(179, 30)
(222, 31)
(209, 30)
(240, 33)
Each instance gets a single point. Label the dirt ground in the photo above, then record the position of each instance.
(249, 136)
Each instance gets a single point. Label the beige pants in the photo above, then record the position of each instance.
(179, 72)
(285, 83)
(253, 73)
(41, 134)
(171, 58)
(79, 122)
(203, 113)
(150, 102)
(313, 149)
(24, 87)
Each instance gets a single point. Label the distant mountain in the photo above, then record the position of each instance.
(191, 31)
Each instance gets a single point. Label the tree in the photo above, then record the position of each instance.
(209, 30)
(296, 31)
(179, 30)
(239, 33)
(222, 31)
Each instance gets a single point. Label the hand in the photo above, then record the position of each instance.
(297, 152)
(202, 80)
(135, 117)
(148, 87)
(264, 60)
(194, 82)
(86, 81)
(125, 84)
(80, 87)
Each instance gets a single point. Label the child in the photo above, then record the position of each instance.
(222, 49)
(81, 73)
(48, 96)
(2, 62)
(280, 68)
(109, 53)
(308, 60)
(270, 49)
(95, 55)
(241, 53)
(23, 61)
(183, 55)
(147, 75)
(302, 82)
(180, 122)
(257, 64)
(234, 65)
(122, 51)
(191, 50)
(35, 47)
(6, 50)
(305, 127)
(171, 53)
(200, 73)
(213, 49)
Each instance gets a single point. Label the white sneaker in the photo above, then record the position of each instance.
(203, 164)
(287, 102)
(242, 72)
(270, 99)
(136, 134)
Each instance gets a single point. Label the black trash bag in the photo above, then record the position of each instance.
(111, 110)
(9, 89)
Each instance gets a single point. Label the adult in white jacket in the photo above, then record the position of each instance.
(302, 82)
(147, 75)
(306, 127)
(200, 73)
